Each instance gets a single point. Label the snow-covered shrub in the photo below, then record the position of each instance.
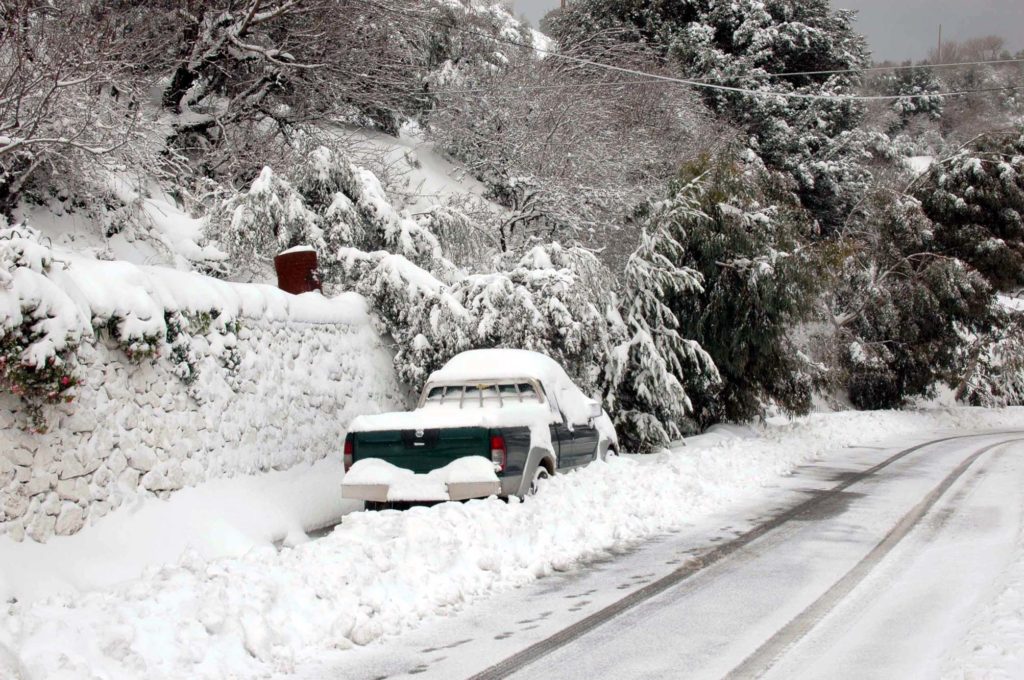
(552, 300)
(650, 373)
(994, 364)
(326, 202)
(464, 241)
(40, 328)
(426, 322)
(900, 309)
(976, 199)
(268, 218)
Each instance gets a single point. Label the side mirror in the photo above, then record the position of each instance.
(595, 409)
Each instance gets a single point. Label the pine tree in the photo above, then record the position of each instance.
(741, 233)
(652, 370)
(268, 218)
(976, 199)
(902, 308)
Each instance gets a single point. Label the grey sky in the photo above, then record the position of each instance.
(903, 29)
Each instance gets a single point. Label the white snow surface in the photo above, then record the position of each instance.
(498, 364)
(379, 574)
(158, 231)
(1014, 303)
(220, 518)
(919, 164)
(404, 485)
(445, 416)
(994, 645)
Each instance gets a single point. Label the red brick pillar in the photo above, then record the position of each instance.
(297, 270)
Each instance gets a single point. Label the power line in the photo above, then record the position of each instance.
(869, 69)
(515, 89)
(670, 79)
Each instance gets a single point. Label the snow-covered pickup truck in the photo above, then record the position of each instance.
(491, 422)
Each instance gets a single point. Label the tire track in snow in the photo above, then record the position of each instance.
(701, 562)
(785, 638)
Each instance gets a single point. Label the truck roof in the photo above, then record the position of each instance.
(495, 364)
(512, 364)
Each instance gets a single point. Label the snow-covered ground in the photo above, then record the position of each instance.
(994, 645)
(380, 574)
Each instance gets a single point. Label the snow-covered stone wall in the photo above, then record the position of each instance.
(274, 387)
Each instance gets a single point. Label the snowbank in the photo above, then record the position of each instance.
(381, 573)
(219, 518)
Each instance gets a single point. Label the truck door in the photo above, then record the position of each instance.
(584, 441)
(562, 439)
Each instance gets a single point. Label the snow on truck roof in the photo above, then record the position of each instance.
(495, 364)
(510, 364)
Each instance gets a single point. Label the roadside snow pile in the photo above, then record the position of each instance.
(382, 573)
(218, 518)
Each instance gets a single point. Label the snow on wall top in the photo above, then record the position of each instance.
(119, 289)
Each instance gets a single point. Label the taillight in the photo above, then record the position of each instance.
(498, 452)
(349, 449)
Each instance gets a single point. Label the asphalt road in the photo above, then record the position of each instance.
(868, 566)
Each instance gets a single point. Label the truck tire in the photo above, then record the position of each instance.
(539, 476)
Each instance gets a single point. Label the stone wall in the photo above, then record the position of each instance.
(282, 395)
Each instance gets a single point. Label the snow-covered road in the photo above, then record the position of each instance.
(910, 570)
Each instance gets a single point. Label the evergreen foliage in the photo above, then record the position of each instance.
(916, 88)
(993, 374)
(652, 371)
(902, 308)
(550, 300)
(750, 44)
(268, 218)
(976, 199)
(741, 233)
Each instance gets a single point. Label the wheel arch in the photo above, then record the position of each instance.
(539, 457)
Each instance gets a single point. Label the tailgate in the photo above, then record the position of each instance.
(422, 450)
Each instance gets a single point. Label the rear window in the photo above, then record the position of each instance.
(488, 395)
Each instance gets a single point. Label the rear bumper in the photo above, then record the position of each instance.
(379, 493)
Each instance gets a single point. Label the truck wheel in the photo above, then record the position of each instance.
(539, 476)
